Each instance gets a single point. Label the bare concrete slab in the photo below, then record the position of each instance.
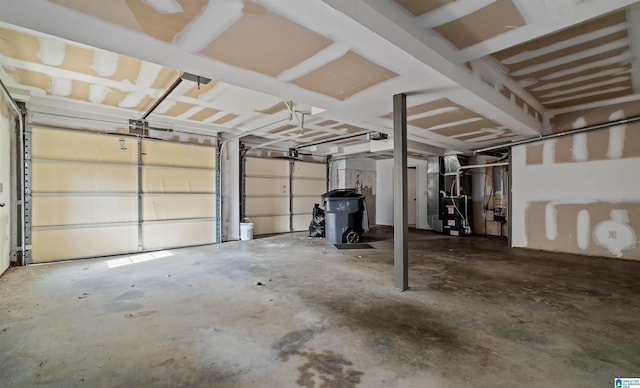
(478, 314)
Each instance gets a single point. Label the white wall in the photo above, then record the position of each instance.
(384, 196)
(6, 120)
(336, 167)
(359, 174)
(230, 175)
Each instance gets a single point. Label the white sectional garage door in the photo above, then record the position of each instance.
(178, 201)
(279, 194)
(84, 193)
(308, 184)
(267, 195)
(86, 197)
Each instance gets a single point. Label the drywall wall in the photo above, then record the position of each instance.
(579, 194)
(230, 182)
(6, 126)
(384, 197)
(359, 174)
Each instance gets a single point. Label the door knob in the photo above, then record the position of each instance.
(1, 204)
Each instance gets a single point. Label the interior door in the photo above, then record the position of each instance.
(411, 196)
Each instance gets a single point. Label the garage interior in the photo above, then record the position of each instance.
(495, 142)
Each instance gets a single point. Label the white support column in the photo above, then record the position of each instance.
(230, 190)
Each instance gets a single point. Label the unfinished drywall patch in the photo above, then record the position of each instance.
(457, 114)
(617, 142)
(277, 108)
(615, 234)
(225, 119)
(265, 42)
(481, 25)
(345, 77)
(326, 123)
(163, 24)
(583, 201)
(282, 129)
(550, 43)
(582, 64)
(534, 154)
(33, 79)
(469, 127)
(601, 229)
(601, 115)
(19, 45)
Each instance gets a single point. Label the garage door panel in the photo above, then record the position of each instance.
(82, 178)
(156, 235)
(266, 186)
(301, 222)
(305, 204)
(82, 146)
(171, 180)
(62, 244)
(309, 187)
(85, 195)
(172, 207)
(266, 167)
(158, 153)
(77, 210)
(269, 225)
(309, 170)
(266, 206)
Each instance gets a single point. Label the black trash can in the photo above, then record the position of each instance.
(345, 216)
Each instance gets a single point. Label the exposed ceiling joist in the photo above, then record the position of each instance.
(474, 91)
(543, 17)
(633, 18)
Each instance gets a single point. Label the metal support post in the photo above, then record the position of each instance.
(328, 174)
(291, 169)
(219, 146)
(139, 193)
(509, 204)
(243, 182)
(400, 205)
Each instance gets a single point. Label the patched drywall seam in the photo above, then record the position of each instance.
(583, 198)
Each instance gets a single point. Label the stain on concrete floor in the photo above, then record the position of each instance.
(477, 314)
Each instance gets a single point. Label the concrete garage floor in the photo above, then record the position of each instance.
(478, 315)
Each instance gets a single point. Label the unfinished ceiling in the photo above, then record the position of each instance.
(477, 72)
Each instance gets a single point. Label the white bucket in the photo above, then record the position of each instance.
(246, 231)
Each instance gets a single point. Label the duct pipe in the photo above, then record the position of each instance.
(18, 111)
(459, 170)
(559, 134)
